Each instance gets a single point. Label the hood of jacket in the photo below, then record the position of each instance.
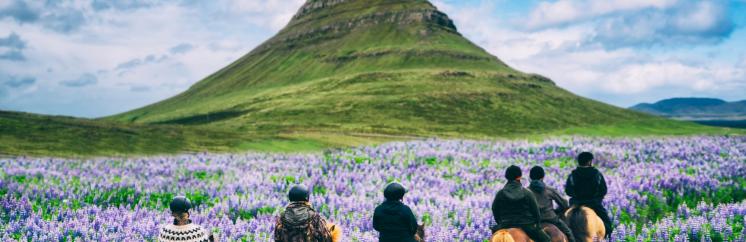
(537, 186)
(513, 191)
(585, 173)
(297, 213)
(389, 207)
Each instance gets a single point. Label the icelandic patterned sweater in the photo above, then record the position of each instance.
(183, 233)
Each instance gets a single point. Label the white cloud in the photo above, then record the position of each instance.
(574, 56)
(144, 35)
(548, 14)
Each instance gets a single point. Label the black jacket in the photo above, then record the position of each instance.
(515, 205)
(544, 197)
(394, 222)
(585, 185)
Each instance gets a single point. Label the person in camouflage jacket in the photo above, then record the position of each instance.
(300, 222)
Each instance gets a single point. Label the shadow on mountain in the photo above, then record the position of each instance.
(740, 124)
(205, 118)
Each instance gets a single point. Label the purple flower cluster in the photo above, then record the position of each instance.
(452, 183)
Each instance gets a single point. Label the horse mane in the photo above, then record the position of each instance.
(578, 222)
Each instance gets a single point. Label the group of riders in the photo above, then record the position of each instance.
(514, 207)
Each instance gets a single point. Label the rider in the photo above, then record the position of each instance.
(516, 207)
(393, 220)
(299, 222)
(544, 197)
(586, 186)
(183, 229)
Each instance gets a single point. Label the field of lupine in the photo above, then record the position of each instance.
(660, 189)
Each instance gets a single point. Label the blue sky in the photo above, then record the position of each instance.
(92, 58)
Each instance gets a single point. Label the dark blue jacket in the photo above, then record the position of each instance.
(586, 185)
(394, 222)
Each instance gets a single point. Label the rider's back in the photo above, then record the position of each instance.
(300, 223)
(545, 198)
(512, 205)
(187, 233)
(585, 184)
(395, 222)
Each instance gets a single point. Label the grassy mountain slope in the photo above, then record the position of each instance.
(40, 135)
(378, 66)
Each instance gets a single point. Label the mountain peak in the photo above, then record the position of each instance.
(317, 15)
(313, 7)
(375, 66)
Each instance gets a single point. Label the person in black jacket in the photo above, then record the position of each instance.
(546, 197)
(393, 220)
(516, 207)
(586, 186)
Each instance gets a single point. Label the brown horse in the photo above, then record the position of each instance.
(420, 235)
(335, 230)
(585, 224)
(517, 235)
(554, 232)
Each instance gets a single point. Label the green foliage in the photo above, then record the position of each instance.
(427, 219)
(656, 208)
(319, 190)
(248, 214)
(205, 175)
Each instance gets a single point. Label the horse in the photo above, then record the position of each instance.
(517, 235)
(335, 230)
(420, 235)
(510, 235)
(554, 232)
(585, 224)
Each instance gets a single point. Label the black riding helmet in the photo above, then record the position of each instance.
(298, 193)
(513, 173)
(394, 191)
(180, 204)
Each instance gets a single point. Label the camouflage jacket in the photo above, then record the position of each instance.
(300, 223)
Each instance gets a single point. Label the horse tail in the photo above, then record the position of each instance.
(502, 235)
(420, 234)
(578, 223)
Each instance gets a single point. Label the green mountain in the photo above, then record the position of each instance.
(376, 66)
(707, 111)
(695, 108)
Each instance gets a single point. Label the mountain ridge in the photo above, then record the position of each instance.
(695, 108)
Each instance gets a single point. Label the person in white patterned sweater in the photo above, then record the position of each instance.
(183, 230)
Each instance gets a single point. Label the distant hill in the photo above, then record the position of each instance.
(394, 67)
(709, 111)
(695, 108)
